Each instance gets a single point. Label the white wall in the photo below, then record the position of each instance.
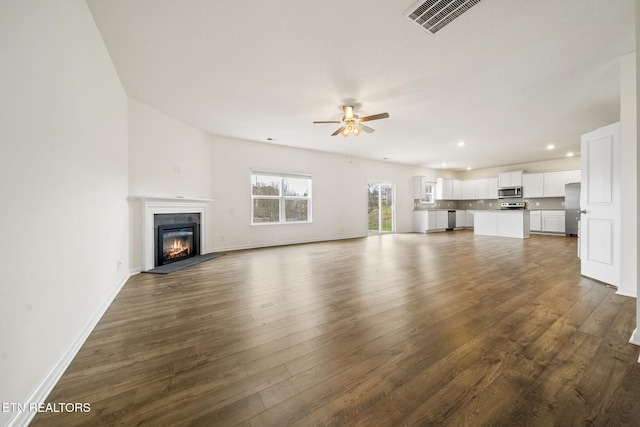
(167, 158)
(63, 176)
(628, 166)
(339, 193)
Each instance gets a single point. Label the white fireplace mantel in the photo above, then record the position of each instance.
(169, 205)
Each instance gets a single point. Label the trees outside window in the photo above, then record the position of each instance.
(280, 198)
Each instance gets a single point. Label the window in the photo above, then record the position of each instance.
(430, 192)
(280, 198)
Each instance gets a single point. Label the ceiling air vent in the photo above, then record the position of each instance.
(433, 15)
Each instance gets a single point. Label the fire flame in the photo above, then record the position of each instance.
(178, 249)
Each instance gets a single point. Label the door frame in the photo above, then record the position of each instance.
(393, 207)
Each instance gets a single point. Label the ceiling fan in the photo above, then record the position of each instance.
(352, 124)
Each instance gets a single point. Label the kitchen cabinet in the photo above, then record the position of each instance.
(469, 189)
(423, 189)
(510, 179)
(513, 224)
(548, 221)
(573, 176)
(430, 220)
(448, 189)
(553, 222)
(554, 182)
(442, 220)
(535, 221)
(548, 184)
(487, 188)
(502, 223)
(492, 188)
(419, 187)
(461, 219)
(485, 223)
(444, 189)
(533, 185)
(457, 189)
(421, 221)
(469, 219)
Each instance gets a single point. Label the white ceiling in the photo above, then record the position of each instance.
(508, 77)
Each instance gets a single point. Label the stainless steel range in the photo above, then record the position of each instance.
(513, 205)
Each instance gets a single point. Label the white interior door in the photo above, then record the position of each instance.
(600, 205)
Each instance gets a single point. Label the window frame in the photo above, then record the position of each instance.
(429, 196)
(281, 197)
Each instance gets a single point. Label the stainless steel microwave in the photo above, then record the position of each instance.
(509, 192)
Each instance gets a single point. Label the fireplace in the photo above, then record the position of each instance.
(158, 211)
(176, 237)
(176, 242)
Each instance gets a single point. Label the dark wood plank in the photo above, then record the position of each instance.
(406, 329)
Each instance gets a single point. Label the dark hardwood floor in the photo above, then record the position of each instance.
(408, 329)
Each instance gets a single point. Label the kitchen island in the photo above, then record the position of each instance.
(502, 223)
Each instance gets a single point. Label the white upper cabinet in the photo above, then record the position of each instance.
(457, 189)
(492, 188)
(554, 182)
(419, 187)
(574, 176)
(548, 184)
(533, 185)
(510, 179)
(448, 189)
(444, 189)
(487, 188)
(469, 189)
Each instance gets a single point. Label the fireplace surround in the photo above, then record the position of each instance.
(152, 206)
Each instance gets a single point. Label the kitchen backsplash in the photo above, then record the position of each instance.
(551, 203)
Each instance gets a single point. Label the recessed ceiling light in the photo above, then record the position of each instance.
(468, 168)
(551, 147)
(461, 144)
(570, 154)
(444, 165)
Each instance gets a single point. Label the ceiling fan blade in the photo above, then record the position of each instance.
(338, 131)
(348, 111)
(330, 121)
(367, 129)
(375, 117)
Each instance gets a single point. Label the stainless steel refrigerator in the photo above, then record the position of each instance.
(571, 208)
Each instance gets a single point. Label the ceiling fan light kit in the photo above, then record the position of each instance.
(352, 123)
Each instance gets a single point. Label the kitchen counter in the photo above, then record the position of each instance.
(502, 223)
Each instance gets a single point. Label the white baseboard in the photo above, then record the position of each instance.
(626, 292)
(41, 392)
(292, 242)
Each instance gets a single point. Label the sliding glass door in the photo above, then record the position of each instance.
(381, 207)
